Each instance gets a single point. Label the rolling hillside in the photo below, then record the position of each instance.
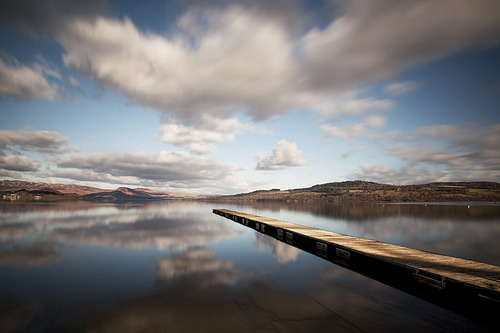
(369, 191)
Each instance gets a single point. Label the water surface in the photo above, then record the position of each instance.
(179, 267)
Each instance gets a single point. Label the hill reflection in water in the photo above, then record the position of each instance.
(178, 267)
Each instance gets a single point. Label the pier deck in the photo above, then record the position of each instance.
(468, 287)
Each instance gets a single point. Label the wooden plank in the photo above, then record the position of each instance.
(477, 274)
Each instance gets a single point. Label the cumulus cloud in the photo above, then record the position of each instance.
(41, 141)
(263, 58)
(348, 104)
(45, 142)
(285, 154)
(401, 88)
(26, 82)
(202, 139)
(92, 176)
(166, 165)
(440, 153)
(17, 163)
(349, 132)
(218, 61)
(166, 169)
(405, 175)
(458, 146)
(372, 41)
(237, 59)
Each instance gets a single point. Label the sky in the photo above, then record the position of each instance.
(222, 97)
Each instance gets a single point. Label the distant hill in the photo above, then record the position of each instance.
(16, 185)
(27, 191)
(126, 194)
(357, 191)
(348, 191)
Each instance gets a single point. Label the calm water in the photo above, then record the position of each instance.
(178, 267)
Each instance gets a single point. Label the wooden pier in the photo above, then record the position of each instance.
(464, 286)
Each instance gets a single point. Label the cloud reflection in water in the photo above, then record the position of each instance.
(199, 264)
(282, 252)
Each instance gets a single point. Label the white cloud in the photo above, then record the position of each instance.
(372, 41)
(345, 104)
(27, 82)
(405, 175)
(42, 141)
(165, 169)
(261, 58)
(17, 163)
(84, 175)
(200, 140)
(408, 174)
(215, 63)
(45, 142)
(363, 128)
(376, 121)
(285, 154)
(470, 145)
(353, 151)
(237, 59)
(440, 153)
(401, 88)
(347, 132)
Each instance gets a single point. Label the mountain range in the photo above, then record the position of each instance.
(26, 191)
(368, 191)
(336, 192)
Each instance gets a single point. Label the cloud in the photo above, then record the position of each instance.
(17, 163)
(285, 154)
(40, 253)
(401, 88)
(92, 176)
(15, 231)
(372, 41)
(353, 151)
(136, 167)
(237, 59)
(437, 153)
(349, 132)
(26, 82)
(160, 230)
(200, 140)
(197, 263)
(409, 174)
(404, 175)
(282, 252)
(41, 141)
(261, 58)
(46, 142)
(457, 146)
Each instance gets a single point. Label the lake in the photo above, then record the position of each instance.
(176, 266)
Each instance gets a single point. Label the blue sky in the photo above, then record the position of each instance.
(234, 96)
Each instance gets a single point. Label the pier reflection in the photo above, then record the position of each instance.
(78, 266)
